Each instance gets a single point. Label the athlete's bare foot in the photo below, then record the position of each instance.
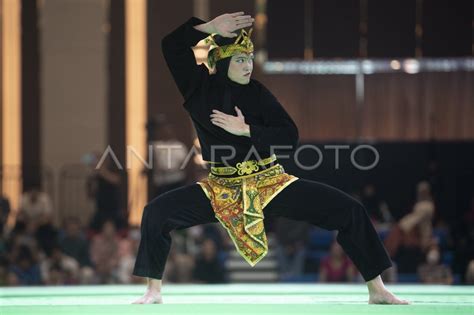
(378, 294)
(150, 297)
(385, 297)
(152, 294)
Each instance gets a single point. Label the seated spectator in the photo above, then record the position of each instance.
(409, 239)
(179, 266)
(377, 208)
(292, 237)
(208, 268)
(20, 225)
(23, 236)
(104, 253)
(35, 204)
(74, 243)
(64, 268)
(169, 153)
(25, 269)
(128, 249)
(214, 232)
(46, 234)
(462, 234)
(390, 275)
(4, 267)
(433, 272)
(422, 215)
(103, 186)
(4, 213)
(470, 273)
(337, 267)
(56, 275)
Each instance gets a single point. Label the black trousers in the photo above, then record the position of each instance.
(311, 201)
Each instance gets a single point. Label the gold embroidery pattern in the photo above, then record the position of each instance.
(243, 168)
(238, 204)
(247, 167)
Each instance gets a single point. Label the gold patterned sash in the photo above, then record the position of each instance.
(238, 204)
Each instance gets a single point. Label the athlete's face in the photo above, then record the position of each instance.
(240, 68)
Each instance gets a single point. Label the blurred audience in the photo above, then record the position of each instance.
(104, 253)
(463, 239)
(104, 187)
(59, 269)
(35, 204)
(4, 271)
(421, 217)
(24, 269)
(168, 155)
(4, 213)
(179, 266)
(35, 251)
(337, 267)
(128, 248)
(74, 243)
(208, 268)
(376, 208)
(292, 239)
(470, 273)
(432, 271)
(46, 234)
(409, 239)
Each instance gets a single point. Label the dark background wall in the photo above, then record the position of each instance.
(448, 166)
(397, 106)
(390, 27)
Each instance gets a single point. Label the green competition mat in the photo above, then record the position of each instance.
(194, 299)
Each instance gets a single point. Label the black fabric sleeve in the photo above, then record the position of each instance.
(278, 128)
(179, 56)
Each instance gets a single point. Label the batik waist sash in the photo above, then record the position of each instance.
(238, 204)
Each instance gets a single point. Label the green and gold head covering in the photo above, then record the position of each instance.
(243, 44)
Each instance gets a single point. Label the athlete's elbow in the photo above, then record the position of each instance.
(166, 46)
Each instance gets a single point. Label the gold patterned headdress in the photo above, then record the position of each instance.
(243, 44)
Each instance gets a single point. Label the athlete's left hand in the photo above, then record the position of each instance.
(233, 124)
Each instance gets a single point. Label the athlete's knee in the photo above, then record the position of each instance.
(359, 211)
(147, 217)
(147, 210)
(154, 213)
(357, 206)
(355, 212)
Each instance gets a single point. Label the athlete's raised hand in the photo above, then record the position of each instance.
(226, 24)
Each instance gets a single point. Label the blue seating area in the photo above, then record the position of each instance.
(408, 278)
(441, 235)
(318, 247)
(320, 241)
(306, 278)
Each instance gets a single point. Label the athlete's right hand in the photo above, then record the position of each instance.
(226, 24)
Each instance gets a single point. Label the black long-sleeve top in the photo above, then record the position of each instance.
(270, 124)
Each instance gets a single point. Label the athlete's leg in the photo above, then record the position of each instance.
(332, 209)
(176, 209)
